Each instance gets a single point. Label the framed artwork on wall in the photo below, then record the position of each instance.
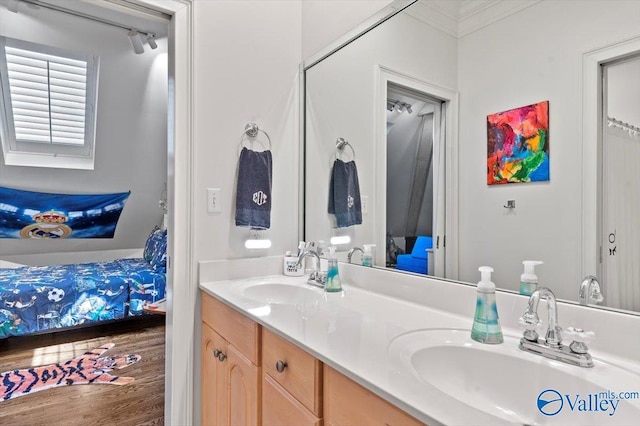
(518, 145)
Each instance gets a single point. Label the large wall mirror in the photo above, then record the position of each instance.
(411, 97)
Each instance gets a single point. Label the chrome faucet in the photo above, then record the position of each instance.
(551, 346)
(316, 276)
(590, 291)
(353, 250)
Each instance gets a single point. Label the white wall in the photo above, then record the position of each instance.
(324, 21)
(246, 57)
(131, 135)
(530, 57)
(340, 103)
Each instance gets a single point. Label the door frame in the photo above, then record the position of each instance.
(385, 75)
(592, 125)
(180, 343)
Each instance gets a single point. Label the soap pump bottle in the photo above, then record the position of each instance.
(332, 284)
(529, 280)
(486, 325)
(367, 255)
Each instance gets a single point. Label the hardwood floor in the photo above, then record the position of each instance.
(137, 403)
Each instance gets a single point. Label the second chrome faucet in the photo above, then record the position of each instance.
(551, 346)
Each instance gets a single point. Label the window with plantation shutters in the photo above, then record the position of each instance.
(48, 102)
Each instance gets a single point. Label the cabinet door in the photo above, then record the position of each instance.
(348, 403)
(213, 376)
(242, 383)
(280, 408)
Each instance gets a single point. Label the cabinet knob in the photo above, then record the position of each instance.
(218, 354)
(280, 366)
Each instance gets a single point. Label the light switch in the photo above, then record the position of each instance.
(364, 204)
(213, 200)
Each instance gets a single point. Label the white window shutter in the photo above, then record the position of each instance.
(48, 97)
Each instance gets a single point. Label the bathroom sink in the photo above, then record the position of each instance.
(284, 292)
(514, 386)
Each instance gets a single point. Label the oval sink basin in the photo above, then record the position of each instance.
(282, 293)
(515, 386)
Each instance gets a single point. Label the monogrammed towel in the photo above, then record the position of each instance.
(344, 194)
(253, 195)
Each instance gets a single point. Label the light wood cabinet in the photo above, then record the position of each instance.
(230, 379)
(280, 408)
(252, 376)
(291, 384)
(348, 403)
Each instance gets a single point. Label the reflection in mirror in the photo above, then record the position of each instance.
(490, 63)
(410, 174)
(620, 200)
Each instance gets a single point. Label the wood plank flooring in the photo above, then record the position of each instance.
(137, 403)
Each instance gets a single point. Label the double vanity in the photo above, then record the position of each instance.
(396, 349)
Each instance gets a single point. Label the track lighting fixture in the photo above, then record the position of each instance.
(151, 41)
(136, 41)
(398, 106)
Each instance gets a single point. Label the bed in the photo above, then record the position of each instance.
(36, 299)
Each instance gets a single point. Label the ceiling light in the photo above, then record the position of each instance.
(400, 107)
(151, 40)
(409, 110)
(390, 106)
(136, 41)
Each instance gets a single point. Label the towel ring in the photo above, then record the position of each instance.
(251, 130)
(341, 143)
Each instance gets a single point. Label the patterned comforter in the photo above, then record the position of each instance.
(39, 298)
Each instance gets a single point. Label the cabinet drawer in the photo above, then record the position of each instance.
(238, 330)
(348, 403)
(279, 408)
(302, 376)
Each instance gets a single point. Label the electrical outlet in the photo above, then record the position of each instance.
(213, 200)
(364, 204)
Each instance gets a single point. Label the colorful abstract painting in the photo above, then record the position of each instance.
(518, 145)
(41, 215)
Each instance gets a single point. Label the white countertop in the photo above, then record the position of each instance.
(351, 332)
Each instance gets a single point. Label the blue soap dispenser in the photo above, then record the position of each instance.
(332, 284)
(486, 325)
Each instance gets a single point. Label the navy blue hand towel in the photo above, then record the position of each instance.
(253, 195)
(344, 194)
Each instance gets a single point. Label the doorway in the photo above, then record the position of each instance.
(413, 121)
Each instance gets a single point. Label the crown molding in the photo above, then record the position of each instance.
(477, 14)
(459, 18)
(440, 14)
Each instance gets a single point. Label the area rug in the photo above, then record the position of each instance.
(87, 368)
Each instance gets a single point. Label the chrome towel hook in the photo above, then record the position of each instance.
(341, 143)
(251, 130)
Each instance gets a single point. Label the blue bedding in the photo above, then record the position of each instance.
(39, 298)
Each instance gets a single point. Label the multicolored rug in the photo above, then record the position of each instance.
(87, 368)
